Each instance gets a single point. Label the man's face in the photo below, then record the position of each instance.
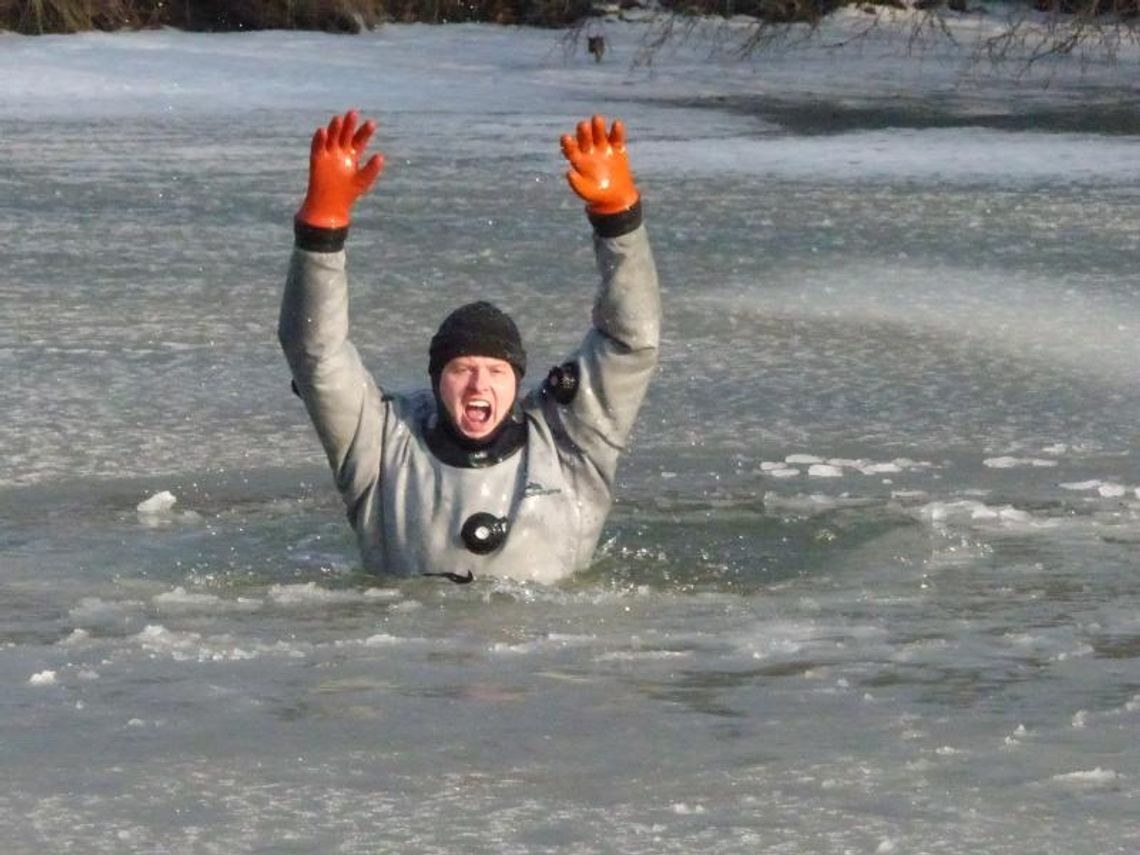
(478, 392)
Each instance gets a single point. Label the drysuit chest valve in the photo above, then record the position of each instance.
(483, 533)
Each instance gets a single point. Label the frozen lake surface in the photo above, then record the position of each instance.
(871, 582)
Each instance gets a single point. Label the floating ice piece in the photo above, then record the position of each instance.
(182, 601)
(383, 639)
(1078, 652)
(1000, 462)
(802, 459)
(1111, 491)
(157, 640)
(309, 593)
(1080, 486)
(43, 678)
(684, 809)
(940, 511)
(638, 656)
(382, 594)
(1011, 514)
(908, 463)
(1097, 777)
(784, 472)
(78, 636)
(880, 468)
(94, 611)
(1014, 462)
(156, 635)
(824, 470)
(159, 503)
(833, 467)
(179, 597)
(981, 512)
(1019, 733)
(404, 606)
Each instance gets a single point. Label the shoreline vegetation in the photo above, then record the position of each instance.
(39, 17)
(1029, 29)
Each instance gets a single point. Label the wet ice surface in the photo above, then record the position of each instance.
(870, 582)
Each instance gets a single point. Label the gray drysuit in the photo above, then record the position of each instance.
(407, 506)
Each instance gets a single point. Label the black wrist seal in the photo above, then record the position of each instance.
(616, 225)
(317, 239)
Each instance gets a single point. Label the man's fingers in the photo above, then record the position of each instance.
(361, 137)
(318, 142)
(581, 185)
(569, 147)
(342, 136)
(574, 154)
(585, 138)
(617, 135)
(347, 129)
(368, 173)
(598, 130)
(333, 135)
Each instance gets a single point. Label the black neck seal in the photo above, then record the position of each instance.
(453, 448)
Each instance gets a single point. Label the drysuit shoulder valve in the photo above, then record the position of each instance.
(562, 382)
(483, 533)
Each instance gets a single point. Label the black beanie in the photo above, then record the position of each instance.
(477, 329)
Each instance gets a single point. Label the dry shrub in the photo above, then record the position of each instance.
(69, 16)
(334, 16)
(534, 13)
(34, 17)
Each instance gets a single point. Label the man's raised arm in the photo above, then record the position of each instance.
(339, 393)
(618, 356)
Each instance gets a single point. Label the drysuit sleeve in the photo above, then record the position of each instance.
(342, 399)
(618, 356)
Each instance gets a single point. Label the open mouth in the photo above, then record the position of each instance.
(477, 412)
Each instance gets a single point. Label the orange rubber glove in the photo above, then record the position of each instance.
(336, 180)
(599, 169)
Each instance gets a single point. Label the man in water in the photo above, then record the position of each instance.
(467, 477)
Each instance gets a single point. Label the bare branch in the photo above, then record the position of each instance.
(1032, 32)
